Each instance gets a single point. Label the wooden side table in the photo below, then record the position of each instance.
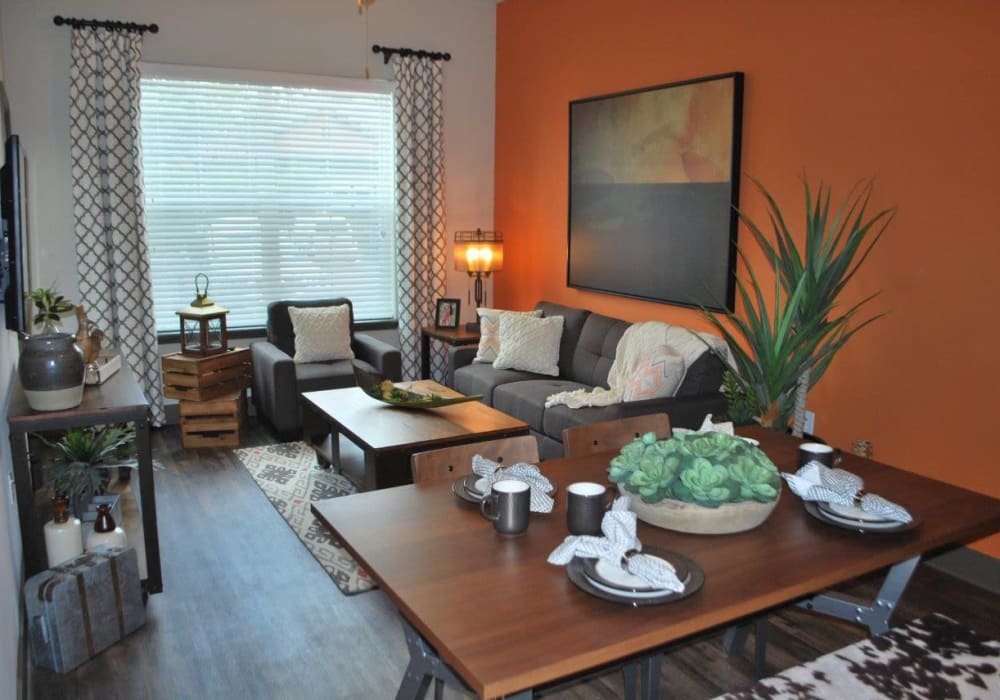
(118, 400)
(448, 336)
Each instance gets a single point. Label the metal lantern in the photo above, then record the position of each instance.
(203, 324)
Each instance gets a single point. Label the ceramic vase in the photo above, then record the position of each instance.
(106, 533)
(51, 370)
(63, 534)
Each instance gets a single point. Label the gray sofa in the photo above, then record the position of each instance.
(586, 352)
(278, 380)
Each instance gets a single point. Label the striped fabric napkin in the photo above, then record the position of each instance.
(817, 482)
(619, 539)
(541, 501)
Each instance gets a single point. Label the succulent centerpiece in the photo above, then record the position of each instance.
(700, 482)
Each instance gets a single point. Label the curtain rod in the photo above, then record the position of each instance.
(76, 23)
(419, 53)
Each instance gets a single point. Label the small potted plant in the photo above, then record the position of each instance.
(78, 470)
(699, 482)
(49, 307)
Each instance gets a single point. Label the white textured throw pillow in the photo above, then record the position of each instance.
(656, 376)
(529, 343)
(321, 333)
(489, 331)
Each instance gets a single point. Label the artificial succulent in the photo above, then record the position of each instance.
(704, 468)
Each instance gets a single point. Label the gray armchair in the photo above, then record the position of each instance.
(278, 381)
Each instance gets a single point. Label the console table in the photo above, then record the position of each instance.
(448, 336)
(118, 400)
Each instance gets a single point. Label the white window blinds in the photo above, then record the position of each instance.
(273, 191)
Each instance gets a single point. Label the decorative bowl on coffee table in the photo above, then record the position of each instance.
(383, 390)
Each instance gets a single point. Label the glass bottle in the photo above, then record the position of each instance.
(63, 534)
(106, 533)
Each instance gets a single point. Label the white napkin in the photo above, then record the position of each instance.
(817, 482)
(618, 527)
(541, 501)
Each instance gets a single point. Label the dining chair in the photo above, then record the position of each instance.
(455, 461)
(610, 435)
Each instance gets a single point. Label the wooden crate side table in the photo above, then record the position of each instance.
(189, 378)
(214, 423)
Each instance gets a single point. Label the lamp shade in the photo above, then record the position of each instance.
(478, 252)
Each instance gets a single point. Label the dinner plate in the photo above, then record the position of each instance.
(696, 579)
(602, 572)
(852, 513)
(886, 527)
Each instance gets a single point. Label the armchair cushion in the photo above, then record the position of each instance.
(322, 334)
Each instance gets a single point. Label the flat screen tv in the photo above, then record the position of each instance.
(13, 205)
(653, 190)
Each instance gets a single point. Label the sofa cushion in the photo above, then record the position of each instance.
(530, 344)
(316, 376)
(573, 320)
(595, 351)
(489, 332)
(558, 418)
(483, 379)
(526, 400)
(321, 334)
(657, 375)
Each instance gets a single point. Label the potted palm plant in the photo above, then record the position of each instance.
(792, 340)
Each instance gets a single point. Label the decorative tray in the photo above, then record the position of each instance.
(383, 390)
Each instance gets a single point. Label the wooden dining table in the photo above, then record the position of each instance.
(488, 609)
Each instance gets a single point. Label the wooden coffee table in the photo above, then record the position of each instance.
(388, 435)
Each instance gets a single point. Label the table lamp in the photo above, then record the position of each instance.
(478, 253)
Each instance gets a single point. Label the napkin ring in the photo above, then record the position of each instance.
(628, 555)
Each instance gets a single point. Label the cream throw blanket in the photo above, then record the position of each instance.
(639, 340)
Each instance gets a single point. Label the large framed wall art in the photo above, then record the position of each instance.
(653, 190)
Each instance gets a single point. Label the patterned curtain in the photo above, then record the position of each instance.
(111, 245)
(421, 243)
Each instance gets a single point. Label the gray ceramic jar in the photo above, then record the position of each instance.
(51, 370)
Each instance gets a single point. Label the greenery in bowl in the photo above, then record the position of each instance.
(709, 469)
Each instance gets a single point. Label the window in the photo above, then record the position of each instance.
(276, 187)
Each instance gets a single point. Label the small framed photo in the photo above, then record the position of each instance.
(446, 315)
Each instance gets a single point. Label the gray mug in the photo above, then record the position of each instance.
(586, 503)
(818, 452)
(508, 505)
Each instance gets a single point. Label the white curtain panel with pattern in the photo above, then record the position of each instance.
(421, 242)
(111, 243)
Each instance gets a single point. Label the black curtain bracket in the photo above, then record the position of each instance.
(419, 53)
(77, 23)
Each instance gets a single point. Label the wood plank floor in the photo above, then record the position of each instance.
(247, 612)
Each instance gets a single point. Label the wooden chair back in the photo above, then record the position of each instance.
(455, 461)
(613, 434)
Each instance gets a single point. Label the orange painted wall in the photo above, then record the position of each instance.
(905, 90)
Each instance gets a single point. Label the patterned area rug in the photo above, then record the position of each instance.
(288, 476)
(932, 658)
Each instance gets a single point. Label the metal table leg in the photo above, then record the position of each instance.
(425, 666)
(736, 639)
(873, 615)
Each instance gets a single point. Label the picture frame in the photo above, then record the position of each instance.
(654, 189)
(447, 313)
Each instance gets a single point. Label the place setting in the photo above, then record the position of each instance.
(473, 488)
(837, 497)
(604, 558)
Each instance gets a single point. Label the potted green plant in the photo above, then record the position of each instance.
(82, 456)
(791, 341)
(701, 482)
(49, 307)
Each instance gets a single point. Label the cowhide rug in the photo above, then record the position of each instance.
(933, 657)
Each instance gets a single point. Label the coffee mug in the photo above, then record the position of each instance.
(818, 452)
(508, 505)
(586, 503)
